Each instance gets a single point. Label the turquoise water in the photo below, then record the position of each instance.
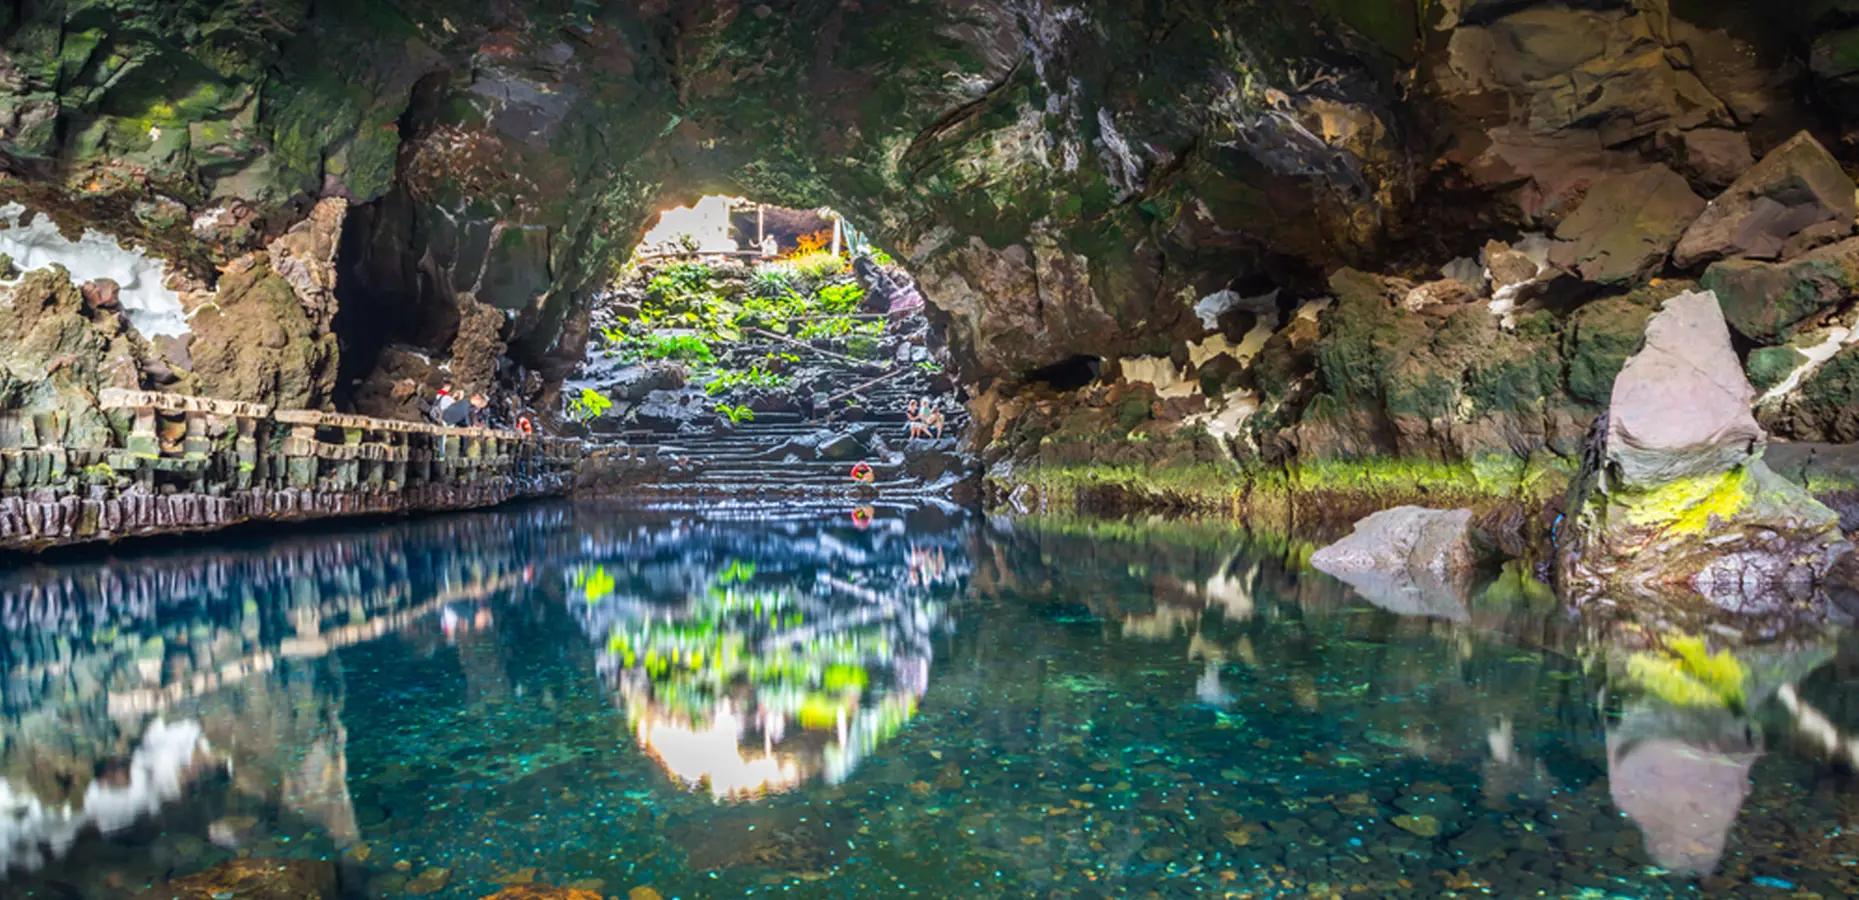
(927, 704)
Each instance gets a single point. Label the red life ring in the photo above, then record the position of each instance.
(862, 473)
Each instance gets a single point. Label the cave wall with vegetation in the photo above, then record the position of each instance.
(1255, 199)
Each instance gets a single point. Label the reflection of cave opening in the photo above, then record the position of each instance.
(739, 328)
(1068, 374)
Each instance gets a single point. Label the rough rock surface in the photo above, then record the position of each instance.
(254, 878)
(1674, 494)
(1797, 186)
(1626, 225)
(56, 356)
(1681, 406)
(1763, 301)
(1409, 560)
(256, 342)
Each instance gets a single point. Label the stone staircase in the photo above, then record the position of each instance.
(804, 438)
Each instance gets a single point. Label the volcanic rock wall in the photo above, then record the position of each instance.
(1419, 230)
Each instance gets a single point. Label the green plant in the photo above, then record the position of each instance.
(772, 281)
(590, 405)
(880, 257)
(840, 298)
(737, 414)
(839, 326)
(680, 282)
(755, 377)
(688, 348)
(817, 265)
(930, 366)
(862, 346)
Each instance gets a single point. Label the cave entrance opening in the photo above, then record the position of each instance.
(753, 348)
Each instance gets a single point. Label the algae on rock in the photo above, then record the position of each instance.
(1674, 496)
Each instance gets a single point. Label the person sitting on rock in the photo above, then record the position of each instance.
(914, 415)
(480, 411)
(932, 418)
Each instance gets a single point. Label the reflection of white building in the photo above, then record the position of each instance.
(33, 833)
(713, 755)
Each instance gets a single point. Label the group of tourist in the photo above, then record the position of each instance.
(448, 410)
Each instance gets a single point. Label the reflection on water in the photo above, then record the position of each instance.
(906, 704)
(751, 662)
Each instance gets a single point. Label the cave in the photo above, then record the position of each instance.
(927, 447)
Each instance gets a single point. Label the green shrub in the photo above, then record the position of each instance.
(687, 348)
(817, 265)
(736, 414)
(756, 377)
(590, 405)
(681, 281)
(840, 298)
(839, 326)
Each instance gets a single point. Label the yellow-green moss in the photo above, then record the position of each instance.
(1686, 506)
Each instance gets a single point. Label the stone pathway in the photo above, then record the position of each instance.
(665, 437)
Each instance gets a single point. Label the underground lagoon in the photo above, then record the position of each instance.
(864, 448)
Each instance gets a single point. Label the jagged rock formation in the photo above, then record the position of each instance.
(1397, 248)
(1675, 492)
(1067, 175)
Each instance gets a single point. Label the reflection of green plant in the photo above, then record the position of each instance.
(755, 377)
(736, 571)
(589, 406)
(595, 585)
(862, 346)
(737, 414)
(1685, 673)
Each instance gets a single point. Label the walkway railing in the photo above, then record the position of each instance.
(188, 463)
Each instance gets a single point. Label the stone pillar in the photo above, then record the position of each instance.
(144, 441)
(245, 454)
(195, 444)
(300, 454)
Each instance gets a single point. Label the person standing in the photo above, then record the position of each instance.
(441, 402)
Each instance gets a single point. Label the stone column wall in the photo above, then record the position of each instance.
(194, 464)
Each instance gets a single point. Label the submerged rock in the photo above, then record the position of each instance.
(543, 892)
(254, 879)
(1674, 492)
(1408, 560)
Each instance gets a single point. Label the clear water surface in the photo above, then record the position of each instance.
(921, 704)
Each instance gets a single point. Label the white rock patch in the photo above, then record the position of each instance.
(1159, 371)
(1838, 338)
(152, 308)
